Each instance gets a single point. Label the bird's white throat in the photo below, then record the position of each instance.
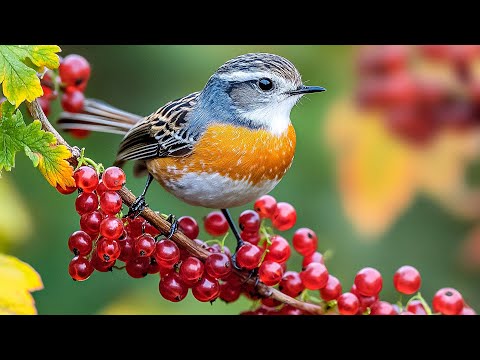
(275, 116)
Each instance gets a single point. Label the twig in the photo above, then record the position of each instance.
(37, 113)
(178, 237)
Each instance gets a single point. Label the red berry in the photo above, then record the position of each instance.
(100, 264)
(416, 307)
(111, 228)
(80, 243)
(413, 125)
(332, 290)
(407, 280)
(150, 229)
(448, 301)
(101, 188)
(435, 52)
(348, 304)
(144, 246)
(279, 250)
(127, 249)
(153, 266)
(382, 308)
(270, 302)
(90, 223)
(138, 267)
(305, 241)
(189, 226)
(80, 268)
(291, 284)
(108, 249)
(270, 273)
(215, 224)
(218, 265)
(249, 256)
(290, 310)
(467, 311)
(167, 253)
(172, 288)
(110, 202)
(74, 71)
(207, 289)
(191, 270)
(79, 133)
(114, 178)
(284, 217)
(86, 202)
(252, 238)
(68, 189)
(315, 257)
(45, 105)
(229, 292)
(396, 90)
(217, 248)
(86, 178)
(315, 276)
(265, 206)
(368, 282)
(249, 221)
(73, 101)
(383, 60)
(135, 227)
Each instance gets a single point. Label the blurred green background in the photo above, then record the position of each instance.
(140, 79)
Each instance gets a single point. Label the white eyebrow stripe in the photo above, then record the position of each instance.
(245, 76)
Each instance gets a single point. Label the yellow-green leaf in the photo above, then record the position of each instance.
(18, 70)
(376, 172)
(40, 146)
(17, 280)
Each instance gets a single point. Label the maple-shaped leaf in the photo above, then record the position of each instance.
(18, 70)
(40, 146)
(17, 280)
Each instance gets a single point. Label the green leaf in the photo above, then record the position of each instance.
(18, 70)
(40, 146)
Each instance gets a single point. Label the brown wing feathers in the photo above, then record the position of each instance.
(161, 134)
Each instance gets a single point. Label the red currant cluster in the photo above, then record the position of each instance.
(105, 238)
(72, 80)
(422, 89)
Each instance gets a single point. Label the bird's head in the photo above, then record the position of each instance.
(260, 88)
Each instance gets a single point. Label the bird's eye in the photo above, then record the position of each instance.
(265, 84)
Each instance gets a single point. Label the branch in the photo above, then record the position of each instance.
(178, 237)
(37, 113)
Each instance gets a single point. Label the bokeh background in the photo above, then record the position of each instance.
(373, 198)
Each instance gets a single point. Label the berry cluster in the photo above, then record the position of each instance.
(421, 89)
(105, 237)
(72, 80)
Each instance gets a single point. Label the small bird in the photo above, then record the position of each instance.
(221, 147)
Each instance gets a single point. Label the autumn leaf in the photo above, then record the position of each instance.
(40, 146)
(18, 70)
(376, 172)
(17, 280)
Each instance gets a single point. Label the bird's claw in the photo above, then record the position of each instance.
(137, 207)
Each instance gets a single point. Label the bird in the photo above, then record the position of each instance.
(221, 147)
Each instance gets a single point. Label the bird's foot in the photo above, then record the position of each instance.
(137, 207)
(172, 219)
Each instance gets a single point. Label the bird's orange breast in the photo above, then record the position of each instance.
(237, 152)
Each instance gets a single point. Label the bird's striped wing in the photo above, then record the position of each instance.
(163, 133)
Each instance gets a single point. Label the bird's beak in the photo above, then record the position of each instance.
(306, 90)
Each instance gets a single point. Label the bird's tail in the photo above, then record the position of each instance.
(98, 116)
